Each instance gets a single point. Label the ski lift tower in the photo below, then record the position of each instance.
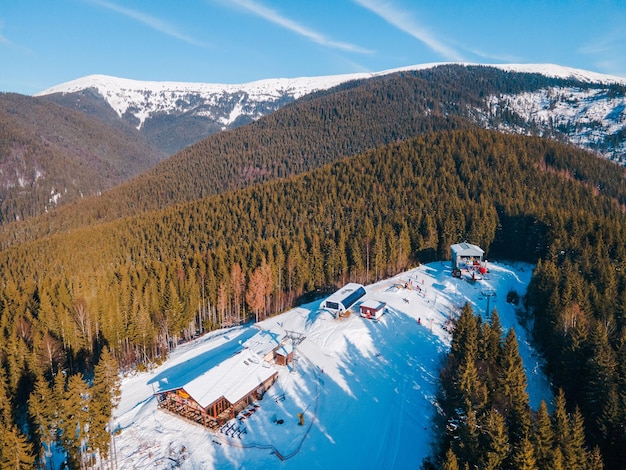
(296, 338)
(489, 293)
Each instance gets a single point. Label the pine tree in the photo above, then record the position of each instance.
(493, 340)
(105, 396)
(469, 433)
(465, 337)
(543, 437)
(561, 426)
(494, 441)
(594, 461)
(513, 387)
(524, 457)
(41, 410)
(6, 418)
(16, 451)
(557, 461)
(577, 457)
(74, 411)
(450, 461)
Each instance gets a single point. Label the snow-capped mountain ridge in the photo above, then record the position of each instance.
(146, 98)
(177, 114)
(149, 97)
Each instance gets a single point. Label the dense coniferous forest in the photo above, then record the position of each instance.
(130, 290)
(486, 421)
(316, 130)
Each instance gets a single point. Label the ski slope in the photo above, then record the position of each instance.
(366, 388)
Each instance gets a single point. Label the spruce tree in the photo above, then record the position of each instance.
(74, 410)
(594, 461)
(17, 452)
(469, 433)
(561, 426)
(494, 340)
(41, 410)
(513, 387)
(557, 461)
(524, 456)
(577, 457)
(105, 396)
(494, 441)
(465, 337)
(543, 437)
(450, 461)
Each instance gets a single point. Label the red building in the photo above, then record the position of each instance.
(372, 308)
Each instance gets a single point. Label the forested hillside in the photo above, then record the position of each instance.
(141, 284)
(50, 155)
(486, 421)
(317, 129)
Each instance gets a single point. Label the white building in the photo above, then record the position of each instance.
(344, 298)
(465, 254)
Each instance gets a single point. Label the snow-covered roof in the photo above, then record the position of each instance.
(345, 295)
(467, 249)
(285, 349)
(233, 379)
(372, 303)
(264, 342)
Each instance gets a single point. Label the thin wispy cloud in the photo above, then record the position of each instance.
(403, 20)
(274, 17)
(155, 23)
(608, 52)
(3, 39)
(509, 58)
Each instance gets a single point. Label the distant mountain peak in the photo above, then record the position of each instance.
(145, 98)
(174, 115)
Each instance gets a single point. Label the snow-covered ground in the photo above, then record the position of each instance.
(366, 388)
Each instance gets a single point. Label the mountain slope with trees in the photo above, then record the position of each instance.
(140, 285)
(586, 108)
(317, 129)
(50, 156)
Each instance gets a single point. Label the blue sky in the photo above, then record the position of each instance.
(44, 43)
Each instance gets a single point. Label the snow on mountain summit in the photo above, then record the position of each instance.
(576, 110)
(143, 99)
(146, 98)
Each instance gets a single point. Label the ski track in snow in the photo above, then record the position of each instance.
(367, 388)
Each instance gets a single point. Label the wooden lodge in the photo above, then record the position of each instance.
(217, 395)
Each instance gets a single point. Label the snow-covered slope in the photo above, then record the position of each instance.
(367, 389)
(587, 117)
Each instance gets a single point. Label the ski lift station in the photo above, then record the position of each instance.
(465, 254)
(344, 298)
(468, 258)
